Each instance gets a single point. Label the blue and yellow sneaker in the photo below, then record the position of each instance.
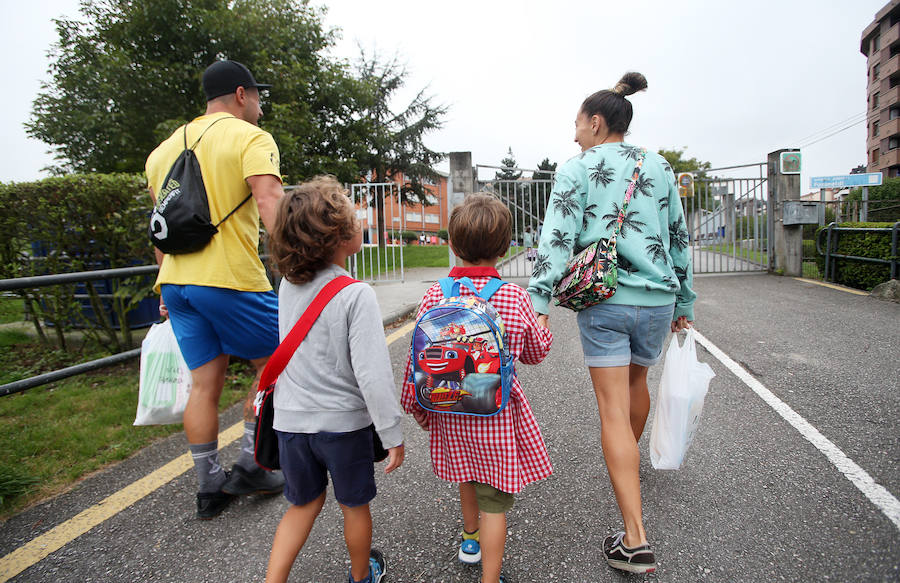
(469, 548)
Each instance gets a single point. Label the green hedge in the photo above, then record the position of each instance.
(853, 273)
(78, 222)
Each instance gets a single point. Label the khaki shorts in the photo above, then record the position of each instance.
(492, 500)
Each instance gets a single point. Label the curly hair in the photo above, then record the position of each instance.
(312, 222)
(480, 228)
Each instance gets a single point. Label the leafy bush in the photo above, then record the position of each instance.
(443, 234)
(409, 236)
(852, 272)
(78, 222)
(884, 200)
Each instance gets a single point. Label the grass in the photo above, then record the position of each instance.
(372, 261)
(811, 270)
(752, 255)
(59, 433)
(11, 310)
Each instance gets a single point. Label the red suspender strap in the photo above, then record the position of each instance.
(291, 342)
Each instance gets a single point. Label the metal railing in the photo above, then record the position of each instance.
(60, 279)
(832, 232)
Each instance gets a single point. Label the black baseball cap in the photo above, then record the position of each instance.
(224, 77)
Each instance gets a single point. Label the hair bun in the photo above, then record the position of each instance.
(630, 83)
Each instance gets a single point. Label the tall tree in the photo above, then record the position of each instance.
(680, 163)
(539, 192)
(508, 163)
(128, 73)
(393, 143)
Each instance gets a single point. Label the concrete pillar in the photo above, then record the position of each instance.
(788, 259)
(461, 183)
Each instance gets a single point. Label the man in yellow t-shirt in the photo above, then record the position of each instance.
(219, 299)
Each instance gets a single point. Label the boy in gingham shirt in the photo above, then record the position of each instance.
(494, 457)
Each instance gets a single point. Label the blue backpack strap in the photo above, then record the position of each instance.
(447, 286)
(450, 287)
(490, 288)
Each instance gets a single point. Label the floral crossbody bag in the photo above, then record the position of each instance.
(591, 276)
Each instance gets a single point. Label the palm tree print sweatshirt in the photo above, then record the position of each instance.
(653, 248)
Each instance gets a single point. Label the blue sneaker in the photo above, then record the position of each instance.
(469, 551)
(377, 568)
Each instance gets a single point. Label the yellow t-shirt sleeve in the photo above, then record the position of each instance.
(260, 156)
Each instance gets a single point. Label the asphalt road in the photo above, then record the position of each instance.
(755, 501)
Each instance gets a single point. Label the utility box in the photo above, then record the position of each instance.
(801, 213)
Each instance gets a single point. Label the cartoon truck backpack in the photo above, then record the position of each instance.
(460, 361)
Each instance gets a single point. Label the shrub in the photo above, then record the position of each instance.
(409, 236)
(884, 200)
(443, 234)
(78, 222)
(851, 272)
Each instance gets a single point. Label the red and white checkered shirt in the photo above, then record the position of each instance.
(506, 450)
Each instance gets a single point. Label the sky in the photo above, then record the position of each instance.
(728, 81)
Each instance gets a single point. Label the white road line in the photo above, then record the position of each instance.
(875, 492)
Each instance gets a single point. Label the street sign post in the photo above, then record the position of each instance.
(846, 180)
(790, 162)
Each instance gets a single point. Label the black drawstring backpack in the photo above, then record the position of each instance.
(180, 222)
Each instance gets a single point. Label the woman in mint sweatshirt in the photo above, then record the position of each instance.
(622, 336)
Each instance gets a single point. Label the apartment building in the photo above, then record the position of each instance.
(881, 45)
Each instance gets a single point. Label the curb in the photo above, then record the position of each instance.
(401, 314)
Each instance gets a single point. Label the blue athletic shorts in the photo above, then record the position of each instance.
(307, 459)
(209, 321)
(617, 335)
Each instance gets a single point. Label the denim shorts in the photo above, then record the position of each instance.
(209, 321)
(618, 335)
(307, 459)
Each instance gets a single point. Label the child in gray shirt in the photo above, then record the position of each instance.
(336, 386)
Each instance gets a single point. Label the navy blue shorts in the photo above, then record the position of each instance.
(308, 458)
(209, 321)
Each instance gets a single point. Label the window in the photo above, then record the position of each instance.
(894, 143)
(875, 70)
(875, 100)
(894, 113)
(875, 156)
(874, 128)
(876, 42)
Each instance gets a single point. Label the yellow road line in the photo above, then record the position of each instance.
(54, 539)
(399, 333)
(832, 286)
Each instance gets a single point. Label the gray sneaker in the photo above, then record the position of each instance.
(259, 481)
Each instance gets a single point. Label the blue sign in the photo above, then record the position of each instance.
(846, 180)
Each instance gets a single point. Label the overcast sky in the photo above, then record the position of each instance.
(730, 81)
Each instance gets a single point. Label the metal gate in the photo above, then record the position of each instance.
(527, 201)
(727, 221)
(381, 217)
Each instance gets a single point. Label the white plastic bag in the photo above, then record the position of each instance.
(682, 389)
(165, 378)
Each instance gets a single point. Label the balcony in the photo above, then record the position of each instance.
(890, 158)
(890, 36)
(888, 66)
(889, 128)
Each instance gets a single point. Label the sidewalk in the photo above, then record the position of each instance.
(398, 300)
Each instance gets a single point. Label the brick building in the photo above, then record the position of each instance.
(880, 43)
